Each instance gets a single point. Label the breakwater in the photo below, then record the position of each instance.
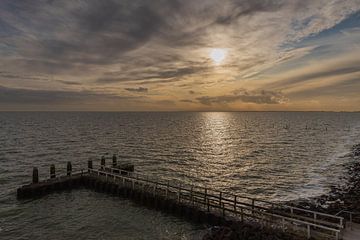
(200, 204)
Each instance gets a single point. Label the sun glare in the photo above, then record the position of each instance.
(218, 55)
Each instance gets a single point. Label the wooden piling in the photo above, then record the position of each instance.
(114, 161)
(35, 175)
(90, 165)
(52, 171)
(102, 162)
(68, 169)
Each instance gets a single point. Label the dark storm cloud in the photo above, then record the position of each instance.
(28, 96)
(242, 95)
(138, 90)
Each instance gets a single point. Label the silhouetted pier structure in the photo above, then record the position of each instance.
(200, 203)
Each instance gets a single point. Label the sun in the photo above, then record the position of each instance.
(218, 55)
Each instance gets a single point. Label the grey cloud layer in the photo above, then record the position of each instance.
(93, 43)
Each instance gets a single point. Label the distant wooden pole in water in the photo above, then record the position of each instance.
(35, 176)
(52, 171)
(68, 168)
(102, 162)
(90, 166)
(114, 160)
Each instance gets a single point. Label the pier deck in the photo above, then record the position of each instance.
(201, 202)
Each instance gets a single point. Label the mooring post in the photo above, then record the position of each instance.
(242, 215)
(205, 196)
(220, 198)
(167, 189)
(191, 195)
(90, 166)
(35, 175)
(235, 203)
(154, 189)
(52, 171)
(114, 160)
(102, 162)
(179, 192)
(68, 168)
(252, 205)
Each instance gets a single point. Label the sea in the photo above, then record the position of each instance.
(274, 156)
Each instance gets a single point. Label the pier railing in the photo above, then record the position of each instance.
(235, 199)
(287, 218)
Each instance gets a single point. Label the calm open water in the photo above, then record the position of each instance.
(276, 156)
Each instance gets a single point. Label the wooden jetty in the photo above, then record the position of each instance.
(198, 202)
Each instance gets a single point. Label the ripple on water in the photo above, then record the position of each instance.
(246, 153)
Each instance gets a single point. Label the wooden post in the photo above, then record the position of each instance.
(52, 171)
(220, 198)
(235, 203)
(205, 196)
(179, 192)
(191, 194)
(35, 175)
(90, 165)
(242, 214)
(167, 189)
(114, 160)
(208, 205)
(102, 162)
(68, 169)
(223, 209)
(252, 205)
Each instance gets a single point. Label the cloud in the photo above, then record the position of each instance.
(156, 74)
(45, 97)
(186, 101)
(242, 95)
(165, 45)
(138, 90)
(238, 8)
(69, 82)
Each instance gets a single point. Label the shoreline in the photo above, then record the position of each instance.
(340, 197)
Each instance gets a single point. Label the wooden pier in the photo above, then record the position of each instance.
(198, 202)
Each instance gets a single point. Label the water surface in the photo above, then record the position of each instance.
(276, 156)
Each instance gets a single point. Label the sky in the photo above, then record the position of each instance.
(180, 55)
